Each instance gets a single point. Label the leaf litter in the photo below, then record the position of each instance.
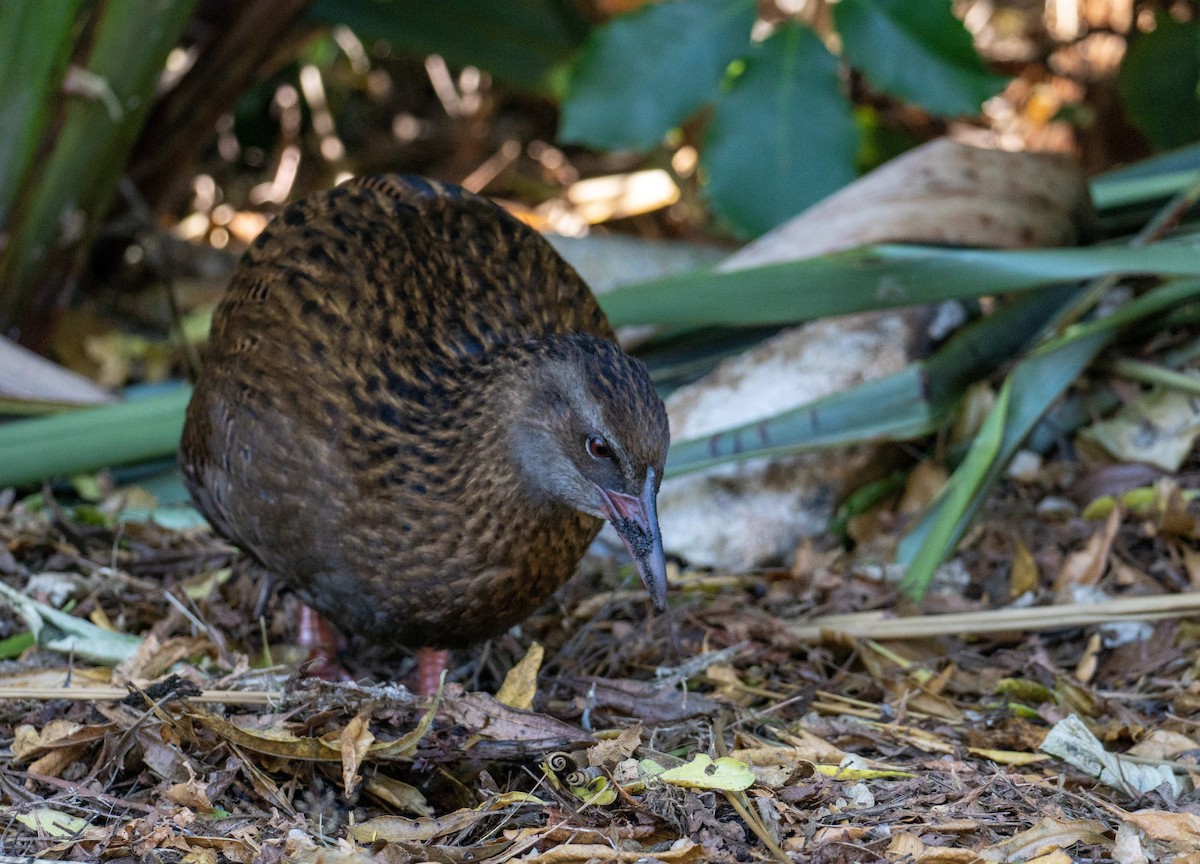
(743, 724)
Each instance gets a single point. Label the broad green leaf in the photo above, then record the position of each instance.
(522, 42)
(877, 277)
(917, 50)
(644, 73)
(783, 136)
(1158, 82)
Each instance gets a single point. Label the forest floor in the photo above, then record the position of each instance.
(827, 747)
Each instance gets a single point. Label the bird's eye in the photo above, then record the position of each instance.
(598, 448)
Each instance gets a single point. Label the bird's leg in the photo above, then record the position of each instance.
(318, 636)
(431, 663)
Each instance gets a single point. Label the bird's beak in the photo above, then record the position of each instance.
(636, 521)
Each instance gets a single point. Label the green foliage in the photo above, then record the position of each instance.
(918, 51)
(29, 72)
(524, 43)
(98, 106)
(648, 71)
(1158, 82)
(780, 139)
(782, 134)
(1025, 396)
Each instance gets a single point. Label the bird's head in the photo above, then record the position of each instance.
(592, 435)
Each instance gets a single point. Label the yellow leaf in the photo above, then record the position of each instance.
(1008, 757)
(726, 774)
(508, 799)
(520, 684)
(597, 791)
(53, 823)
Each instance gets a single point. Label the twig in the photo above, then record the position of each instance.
(877, 625)
(116, 694)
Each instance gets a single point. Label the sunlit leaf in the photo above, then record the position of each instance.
(917, 50)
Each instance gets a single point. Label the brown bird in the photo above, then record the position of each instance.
(413, 411)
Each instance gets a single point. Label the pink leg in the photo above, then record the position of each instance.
(318, 636)
(431, 663)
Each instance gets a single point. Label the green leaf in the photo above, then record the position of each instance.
(29, 70)
(877, 277)
(909, 403)
(644, 73)
(91, 438)
(522, 42)
(916, 50)
(1034, 384)
(783, 137)
(1158, 82)
(98, 106)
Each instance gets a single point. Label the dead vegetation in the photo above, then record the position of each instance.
(194, 748)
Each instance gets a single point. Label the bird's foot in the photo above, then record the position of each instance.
(318, 636)
(431, 663)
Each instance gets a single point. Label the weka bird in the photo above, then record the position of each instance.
(413, 411)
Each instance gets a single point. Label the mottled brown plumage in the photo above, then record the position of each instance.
(413, 411)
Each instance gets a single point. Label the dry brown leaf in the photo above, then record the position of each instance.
(1191, 563)
(153, 658)
(765, 757)
(910, 847)
(811, 747)
(227, 848)
(192, 794)
(1056, 857)
(498, 722)
(356, 740)
(57, 746)
(1024, 575)
(398, 794)
(520, 684)
(1085, 567)
(1162, 744)
(398, 829)
(1085, 669)
(608, 752)
(924, 483)
(683, 851)
(1128, 847)
(1181, 831)
(1047, 835)
(200, 856)
(277, 741)
(299, 848)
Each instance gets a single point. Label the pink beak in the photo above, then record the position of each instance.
(636, 521)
